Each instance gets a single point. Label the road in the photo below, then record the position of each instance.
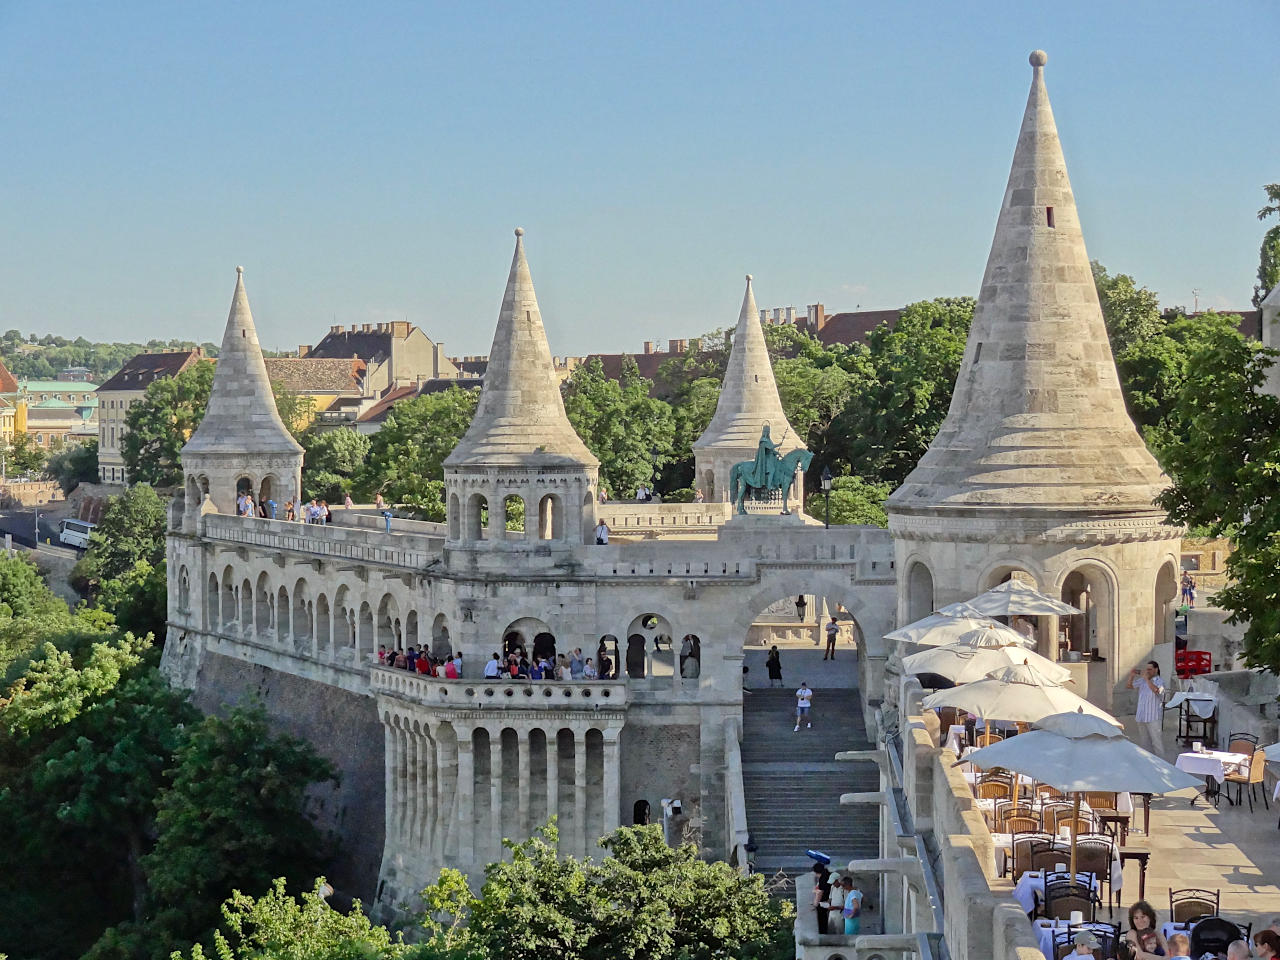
(21, 523)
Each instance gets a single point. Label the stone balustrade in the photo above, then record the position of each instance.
(499, 694)
(338, 542)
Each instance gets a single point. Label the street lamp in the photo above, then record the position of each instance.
(826, 490)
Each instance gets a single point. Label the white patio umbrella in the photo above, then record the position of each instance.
(1079, 753)
(1017, 693)
(1013, 597)
(940, 628)
(995, 635)
(1272, 752)
(966, 662)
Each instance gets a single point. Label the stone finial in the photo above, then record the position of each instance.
(1037, 420)
(1038, 58)
(520, 418)
(239, 271)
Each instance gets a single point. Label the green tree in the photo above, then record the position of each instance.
(900, 390)
(137, 601)
(629, 431)
(853, 501)
(1227, 479)
(406, 457)
(1269, 256)
(74, 464)
(297, 411)
(333, 459)
(1131, 313)
(161, 423)
(24, 457)
(132, 530)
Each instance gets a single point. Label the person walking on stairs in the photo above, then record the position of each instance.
(804, 699)
(774, 665)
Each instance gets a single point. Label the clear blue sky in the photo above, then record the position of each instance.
(368, 161)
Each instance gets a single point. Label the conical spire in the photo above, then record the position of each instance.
(241, 416)
(1037, 419)
(520, 418)
(749, 396)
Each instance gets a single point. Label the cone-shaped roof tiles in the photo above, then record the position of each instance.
(1037, 419)
(241, 417)
(520, 419)
(749, 395)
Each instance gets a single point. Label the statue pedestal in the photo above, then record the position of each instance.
(764, 521)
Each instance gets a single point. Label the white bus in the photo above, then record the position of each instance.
(74, 533)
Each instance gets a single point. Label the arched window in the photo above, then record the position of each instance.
(477, 516)
(455, 519)
(551, 518)
(919, 592)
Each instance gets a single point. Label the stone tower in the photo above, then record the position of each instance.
(748, 402)
(1038, 470)
(520, 443)
(241, 444)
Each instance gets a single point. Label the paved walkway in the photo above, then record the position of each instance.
(1227, 849)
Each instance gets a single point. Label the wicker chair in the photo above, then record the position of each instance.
(1254, 776)
(1245, 743)
(1108, 936)
(1022, 846)
(988, 737)
(1062, 898)
(1191, 903)
(1046, 792)
(994, 787)
(1095, 854)
(1022, 822)
(1045, 856)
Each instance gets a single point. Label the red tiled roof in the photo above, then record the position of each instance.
(8, 383)
(310, 375)
(855, 327)
(145, 368)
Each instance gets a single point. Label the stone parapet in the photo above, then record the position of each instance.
(350, 543)
(1021, 527)
(558, 696)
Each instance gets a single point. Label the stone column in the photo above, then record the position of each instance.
(466, 798)
(495, 790)
(430, 792)
(413, 784)
(612, 786)
(523, 762)
(389, 771)
(315, 634)
(402, 775)
(580, 791)
(553, 772)
(445, 802)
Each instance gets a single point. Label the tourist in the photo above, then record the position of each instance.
(852, 912)
(425, 666)
(493, 669)
(401, 662)
(1150, 689)
(513, 666)
(1083, 944)
(576, 664)
(1188, 587)
(457, 663)
(535, 672)
(602, 534)
(382, 654)
(804, 700)
(1238, 950)
(288, 511)
(379, 503)
(248, 505)
(606, 668)
(774, 666)
(450, 670)
(1143, 936)
(821, 895)
(326, 515)
(589, 670)
(698, 497)
(604, 494)
(412, 659)
(1179, 945)
(642, 493)
(835, 916)
(1267, 944)
(523, 669)
(563, 671)
(346, 501)
(833, 631)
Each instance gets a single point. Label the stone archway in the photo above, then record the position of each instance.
(920, 601)
(1166, 602)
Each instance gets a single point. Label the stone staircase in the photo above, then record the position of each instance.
(793, 784)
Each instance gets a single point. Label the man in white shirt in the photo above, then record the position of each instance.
(493, 668)
(804, 699)
(1150, 689)
(602, 534)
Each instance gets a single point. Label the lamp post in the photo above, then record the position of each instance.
(826, 490)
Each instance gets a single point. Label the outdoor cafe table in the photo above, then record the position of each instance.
(955, 738)
(1201, 704)
(1030, 887)
(1003, 843)
(1212, 765)
(1045, 930)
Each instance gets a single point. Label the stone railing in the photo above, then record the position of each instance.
(499, 694)
(735, 799)
(632, 519)
(1246, 703)
(336, 542)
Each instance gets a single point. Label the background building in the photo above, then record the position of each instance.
(122, 391)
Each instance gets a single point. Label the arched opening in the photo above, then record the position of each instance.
(593, 746)
(228, 599)
(544, 647)
(246, 607)
(551, 518)
(282, 615)
(300, 613)
(483, 765)
(513, 511)
(440, 647)
(389, 627)
(536, 802)
(455, 518)
(640, 813)
(607, 658)
(520, 635)
(690, 657)
(1089, 637)
(266, 497)
(262, 619)
(212, 597)
(655, 641)
(184, 591)
(344, 635)
(635, 656)
(365, 638)
(477, 516)
(709, 485)
(588, 524)
(919, 592)
(324, 627)
(245, 500)
(411, 629)
(1166, 599)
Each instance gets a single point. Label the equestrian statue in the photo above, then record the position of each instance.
(766, 473)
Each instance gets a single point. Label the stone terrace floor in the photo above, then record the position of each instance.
(1227, 849)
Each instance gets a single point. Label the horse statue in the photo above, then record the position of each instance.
(765, 473)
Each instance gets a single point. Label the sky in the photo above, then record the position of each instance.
(367, 162)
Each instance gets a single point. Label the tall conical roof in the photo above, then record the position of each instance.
(241, 416)
(749, 395)
(520, 419)
(1037, 419)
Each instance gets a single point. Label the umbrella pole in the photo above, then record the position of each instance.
(1075, 820)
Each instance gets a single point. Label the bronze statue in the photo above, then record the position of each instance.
(767, 472)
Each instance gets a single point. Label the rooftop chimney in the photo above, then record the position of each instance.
(304, 349)
(648, 346)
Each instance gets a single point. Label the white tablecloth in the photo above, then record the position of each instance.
(1212, 763)
(955, 738)
(1045, 929)
(1030, 887)
(1003, 843)
(1201, 704)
